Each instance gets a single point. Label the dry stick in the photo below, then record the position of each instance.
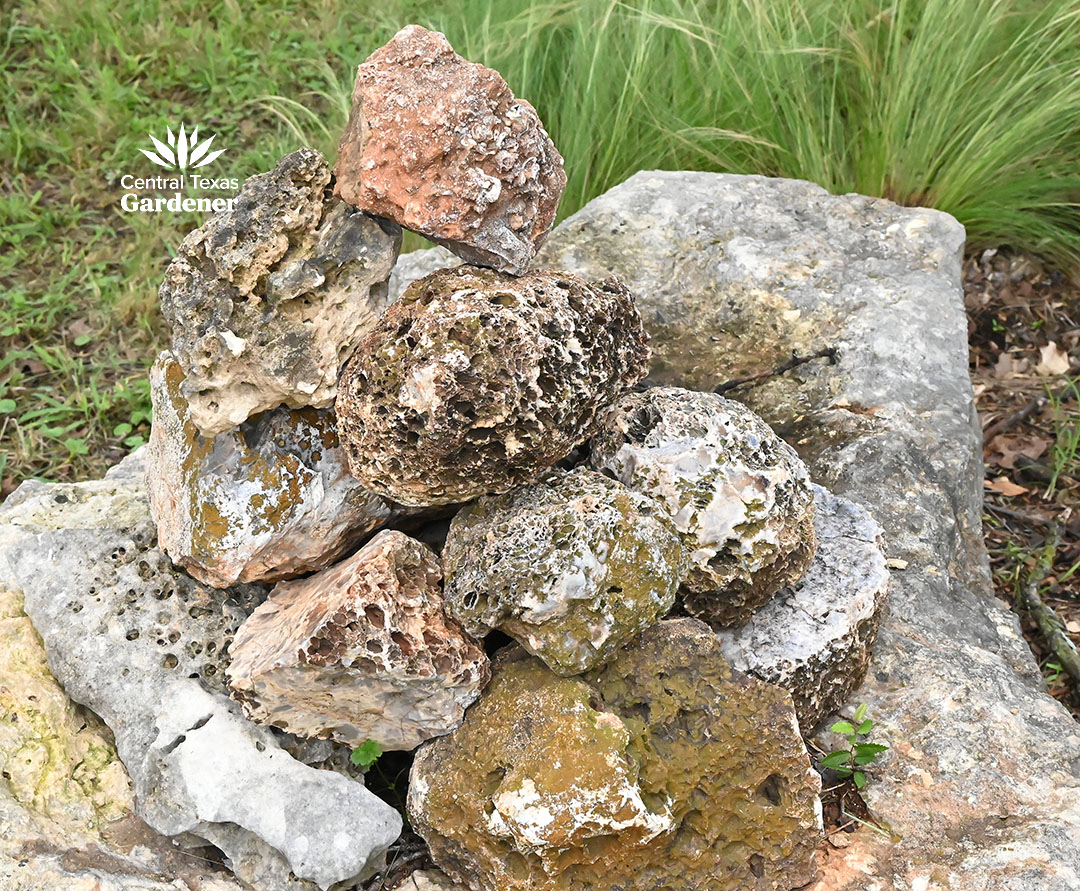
(1018, 515)
(1048, 621)
(795, 361)
(1018, 417)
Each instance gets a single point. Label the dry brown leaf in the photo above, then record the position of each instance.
(1004, 366)
(1005, 448)
(1053, 360)
(1005, 486)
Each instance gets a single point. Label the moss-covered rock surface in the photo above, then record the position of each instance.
(572, 567)
(664, 769)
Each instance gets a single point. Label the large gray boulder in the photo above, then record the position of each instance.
(144, 646)
(981, 788)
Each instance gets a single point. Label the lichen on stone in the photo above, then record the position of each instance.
(663, 769)
(267, 300)
(572, 567)
(267, 500)
(56, 759)
(361, 651)
(476, 382)
(738, 493)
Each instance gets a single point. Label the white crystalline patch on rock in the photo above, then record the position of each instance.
(519, 812)
(738, 494)
(814, 638)
(536, 819)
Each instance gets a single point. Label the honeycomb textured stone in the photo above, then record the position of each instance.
(360, 651)
(738, 493)
(267, 301)
(664, 769)
(441, 146)
(572, 567)
(144, 646)
(267, 500)
(476, 382)
(814, 639)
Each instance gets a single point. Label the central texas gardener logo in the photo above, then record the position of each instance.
(181, 150)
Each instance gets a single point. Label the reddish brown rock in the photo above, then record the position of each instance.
(360, 651)
(440, 145)
(475, 382)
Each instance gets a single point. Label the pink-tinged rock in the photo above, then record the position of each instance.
(360, 651)
(268, 500)
(440, 145)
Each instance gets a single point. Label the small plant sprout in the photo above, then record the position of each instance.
(366, 754)
(853, 761)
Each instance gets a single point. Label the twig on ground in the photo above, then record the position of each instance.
(1049, 622)
(1018, 417)
(1018, 515)
(795, 361)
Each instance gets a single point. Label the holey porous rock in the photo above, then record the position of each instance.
(441, 146)
(267, 301)
(360, 651)
(665, 769)
(267, 500)
(739, 494)
(475, 382)
(572, 567)
(144, 646)
(814, 638)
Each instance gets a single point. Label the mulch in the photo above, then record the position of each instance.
(1024, 336)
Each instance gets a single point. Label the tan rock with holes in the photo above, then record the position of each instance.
(475, 382)
(267, 300)
(360, 651)
(440, 145)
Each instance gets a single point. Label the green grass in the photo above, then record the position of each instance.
(966, 105)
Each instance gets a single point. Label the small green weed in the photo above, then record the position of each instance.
(366, 754)
(853, 760)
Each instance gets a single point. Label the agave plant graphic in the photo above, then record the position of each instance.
(181, 151)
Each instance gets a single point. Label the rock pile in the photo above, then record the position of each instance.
(298, 425)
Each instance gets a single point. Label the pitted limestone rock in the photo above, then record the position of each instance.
(441, 146)
(268, 300)
(143, 645)
(267, 500)
(814, 638)
(664, 769)
(572, 567)
(360, 651)
(738, 493)
(476, 382)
